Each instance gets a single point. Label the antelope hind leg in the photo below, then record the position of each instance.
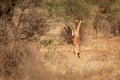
(78, 54)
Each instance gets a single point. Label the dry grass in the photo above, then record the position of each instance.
(99, 60)
(30, 61)
(12, 55)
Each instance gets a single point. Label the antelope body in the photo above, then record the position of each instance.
(76, 39)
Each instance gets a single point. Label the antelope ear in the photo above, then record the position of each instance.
(76, 21)
(79, 20)
(82, 21)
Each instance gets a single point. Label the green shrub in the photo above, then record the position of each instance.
(46, 42)
(77, 8)
(54, 7)
(64, 8)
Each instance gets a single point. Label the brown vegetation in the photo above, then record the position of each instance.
(34, 40)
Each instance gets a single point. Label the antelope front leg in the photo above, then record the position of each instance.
(76, 52)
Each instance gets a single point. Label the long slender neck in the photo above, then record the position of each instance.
(78, 27)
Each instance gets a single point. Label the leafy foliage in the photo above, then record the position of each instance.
(54, 7)
(46, 42)
(77, 8)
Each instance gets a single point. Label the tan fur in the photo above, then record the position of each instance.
(76, 39)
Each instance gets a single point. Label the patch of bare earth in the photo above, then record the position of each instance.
(100, 60)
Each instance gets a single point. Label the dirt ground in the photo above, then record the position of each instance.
(99, 60)
(54, 59)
